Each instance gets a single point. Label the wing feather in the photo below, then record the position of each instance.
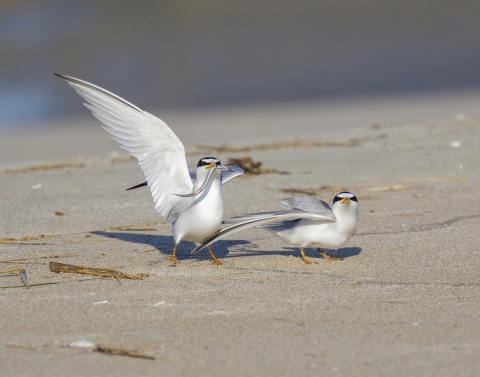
(244, 222)
(235, 172)
(160, 153)
(302, 203)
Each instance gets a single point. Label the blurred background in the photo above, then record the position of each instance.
(176, 54)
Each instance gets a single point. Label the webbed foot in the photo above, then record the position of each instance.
(327, 257)
(172, 257)
(305, 259)
(215, 261)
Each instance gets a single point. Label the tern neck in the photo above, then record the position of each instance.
(347, 217)
(202, 174)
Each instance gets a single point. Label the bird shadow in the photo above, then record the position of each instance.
(345, 252)
(164, 244)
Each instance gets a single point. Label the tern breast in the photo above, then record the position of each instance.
(203, 217)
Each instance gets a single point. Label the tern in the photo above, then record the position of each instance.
(304, 222)
(191, 202)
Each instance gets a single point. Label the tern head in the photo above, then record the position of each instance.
(207, 163)
(345, 203)
(207, 168)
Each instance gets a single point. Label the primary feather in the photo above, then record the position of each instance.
(160, 153)
(302, 203)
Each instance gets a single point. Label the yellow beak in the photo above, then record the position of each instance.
(345, 201)
(210, 165)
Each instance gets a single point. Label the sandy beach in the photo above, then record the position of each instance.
(403, 302)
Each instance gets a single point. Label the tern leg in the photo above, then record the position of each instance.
(327, 257)
(302, 253)
(214, 259)
(173, 258)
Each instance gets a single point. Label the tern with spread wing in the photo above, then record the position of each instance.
(191, 202)
(304, 222)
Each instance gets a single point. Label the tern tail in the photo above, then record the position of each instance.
(137, 186)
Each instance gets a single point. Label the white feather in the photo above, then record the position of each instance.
(160, 153)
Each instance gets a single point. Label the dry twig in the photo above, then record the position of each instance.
(122, 352)
(103, 272)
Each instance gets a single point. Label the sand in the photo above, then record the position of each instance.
(404, 301)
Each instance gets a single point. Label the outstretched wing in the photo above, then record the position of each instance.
(239, 223)
(301, 203)
(160, 153)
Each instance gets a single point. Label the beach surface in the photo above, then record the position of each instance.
(403, 302)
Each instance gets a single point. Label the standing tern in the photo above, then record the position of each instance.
(191, 202)
(304, 222)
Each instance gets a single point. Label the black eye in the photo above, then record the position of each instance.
(337, 199)
(354, 199)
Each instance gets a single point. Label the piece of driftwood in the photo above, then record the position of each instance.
(122, 352)
(103, 272)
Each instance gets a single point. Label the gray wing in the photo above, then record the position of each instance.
(280, 226)
(301, 203)
(239, 223)
(235, 172)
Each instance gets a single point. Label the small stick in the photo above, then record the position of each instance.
(121, 352)
(104, 272)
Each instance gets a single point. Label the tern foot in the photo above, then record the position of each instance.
(173, 258)
(215, 261)
(327, 257)
(305, 259)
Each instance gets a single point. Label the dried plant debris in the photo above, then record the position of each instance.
(99, 347)
(122, 352)
(27, 239)
(384, 188)
(48, 283)
(308, 192)
(20, 346)
(318, 191)
(17, 271)
(70, 165)
(251, 167)
(286, 144)
(145, 227)
(58, 213)
(103, 272)
(29, 259)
